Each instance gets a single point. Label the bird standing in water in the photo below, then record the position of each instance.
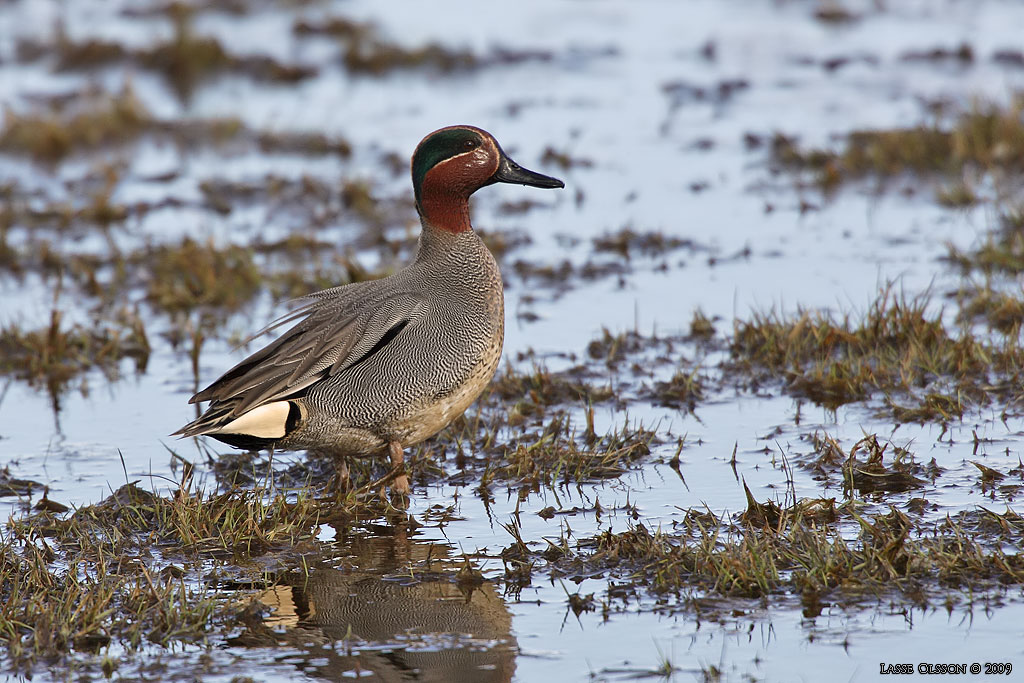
(373, 367)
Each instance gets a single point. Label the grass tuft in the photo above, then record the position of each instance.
(95, 122)
(898, 349)
(987, 139)
(128, 569)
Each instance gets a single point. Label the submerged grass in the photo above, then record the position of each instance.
(802, 552)
(53, 356)
(131, 569)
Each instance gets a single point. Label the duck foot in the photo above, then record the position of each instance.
(341, 483)
(400, 484)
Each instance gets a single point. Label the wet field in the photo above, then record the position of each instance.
(759, 413)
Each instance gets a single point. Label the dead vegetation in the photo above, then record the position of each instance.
(184, 61)
(898, 349)
(365, 50)
(96, 119)
(988, 139)
(54, 356)
(128, 569)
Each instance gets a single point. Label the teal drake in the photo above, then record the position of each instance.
(373, 367)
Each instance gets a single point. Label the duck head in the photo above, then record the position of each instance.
(452, 163)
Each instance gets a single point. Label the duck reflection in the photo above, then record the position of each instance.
(394, 610)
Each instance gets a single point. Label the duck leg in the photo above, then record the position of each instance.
(342, 483)
(400, 485)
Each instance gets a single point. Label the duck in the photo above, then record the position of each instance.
(371, 368)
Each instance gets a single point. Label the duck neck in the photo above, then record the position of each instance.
(442, 195)
(445, 211)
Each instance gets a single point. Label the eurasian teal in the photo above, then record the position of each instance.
(373, 367)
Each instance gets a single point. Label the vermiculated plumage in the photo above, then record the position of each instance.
(375, 366)
(449, 307)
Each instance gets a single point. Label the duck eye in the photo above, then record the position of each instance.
(470, 144)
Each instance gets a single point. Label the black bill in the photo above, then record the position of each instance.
(511, 172)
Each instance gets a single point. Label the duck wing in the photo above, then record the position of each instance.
(333, 334)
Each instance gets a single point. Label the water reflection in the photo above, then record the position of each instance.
(395, 609)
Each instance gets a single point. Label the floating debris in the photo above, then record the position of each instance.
(872, 475)
(12, 486)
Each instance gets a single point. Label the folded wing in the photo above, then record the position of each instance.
(331, 337)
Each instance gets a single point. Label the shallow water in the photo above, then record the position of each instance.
(618, 92)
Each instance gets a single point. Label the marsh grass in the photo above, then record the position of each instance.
(813, 547)
(1001, 311)
(54, 355)
(191, 275)
(872, 475)
(683, 391)
(899, 349)
(882, 468)
(197, 285)
(134, 568)
(143, 568)
(537, 387)
(558, 454)
(804, 552)
(547, 449)
(627, 242)
(365, 50)
(98, 120)
(184, 61)
(1002, 250)
(987, 139)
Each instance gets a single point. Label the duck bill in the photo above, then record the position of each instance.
(511, 172)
